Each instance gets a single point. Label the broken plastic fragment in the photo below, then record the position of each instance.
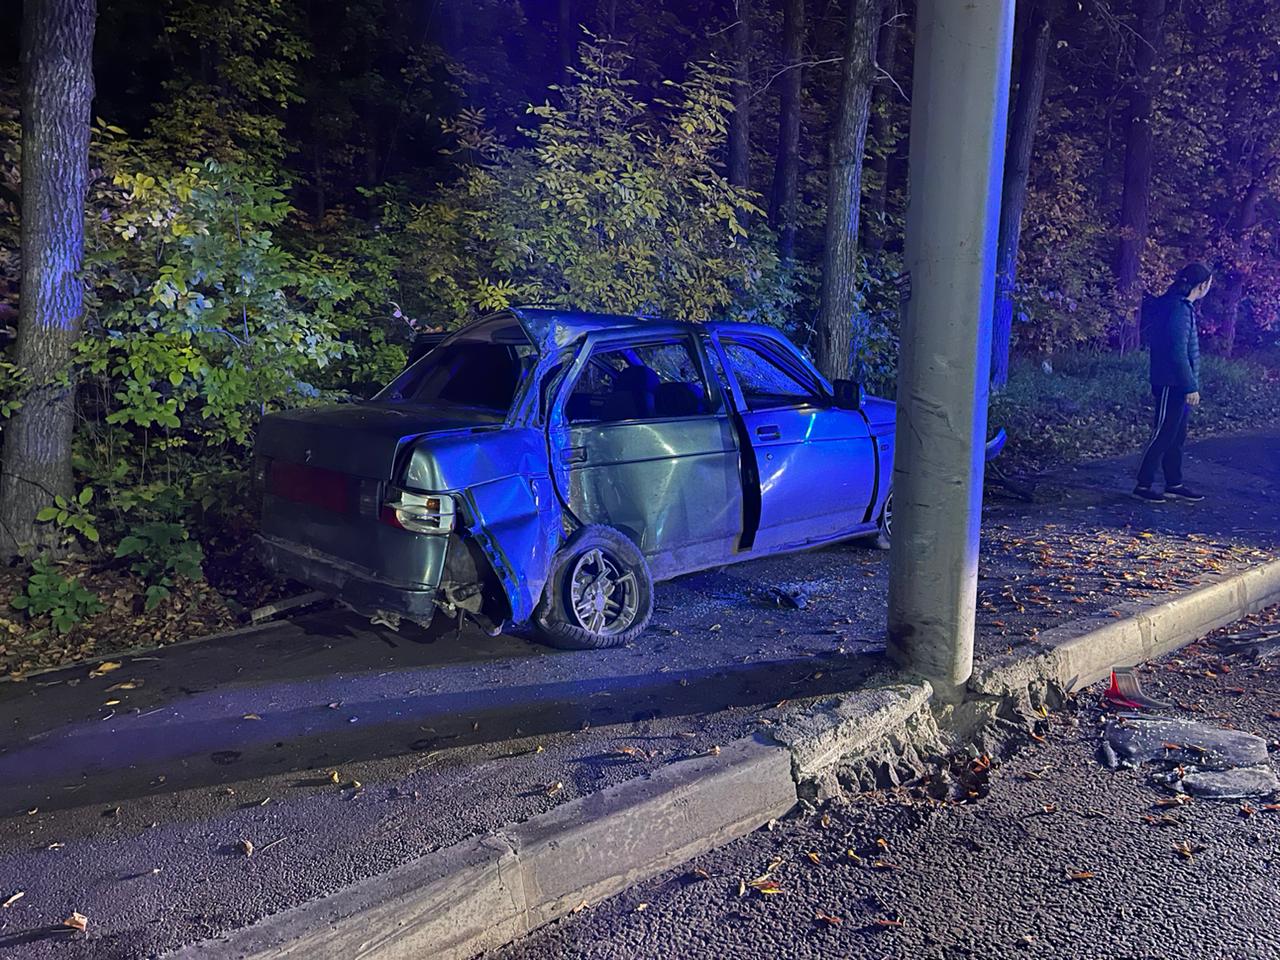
(1236, 784)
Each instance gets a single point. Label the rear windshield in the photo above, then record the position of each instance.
(481, 368)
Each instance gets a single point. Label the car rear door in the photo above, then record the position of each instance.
(650, 449)
(815, 463)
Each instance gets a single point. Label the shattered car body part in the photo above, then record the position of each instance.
(1138, 740)
(1236, 783)
(1126, 691)
(460, 485)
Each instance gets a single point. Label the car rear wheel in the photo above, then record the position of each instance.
(599, 594)
(885, 523)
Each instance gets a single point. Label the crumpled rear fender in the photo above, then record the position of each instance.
(508, 500)
(516, 522)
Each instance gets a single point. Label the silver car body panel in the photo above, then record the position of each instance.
(692, 491)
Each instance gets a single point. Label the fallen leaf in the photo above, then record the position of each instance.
(700, 873)
(125, 685)
(554, 788)
(886, 922)
(828, 919)
(100, 670)
(13, 899)
(246, 847)
(333, 776)
(641, 907)
(742, 887)
(882, 843)
(883, 865)
(580, 907)
(853, 856)
(251, 716)
(110, 703)
(813, 857)
(1080, 874)
(1246, 810)
(769, 888)
(78, 921)
(1185, 850)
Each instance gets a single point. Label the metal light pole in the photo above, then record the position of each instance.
(958, 115)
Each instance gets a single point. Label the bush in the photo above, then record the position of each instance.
(62, 598)
(1099, 404)
(162, 551)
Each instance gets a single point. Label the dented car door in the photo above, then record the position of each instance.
(649, 449)
(814, 462)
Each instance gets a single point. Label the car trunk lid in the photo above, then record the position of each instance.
(359, 439)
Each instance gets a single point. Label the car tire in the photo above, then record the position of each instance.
(884, 523)
(599, 593)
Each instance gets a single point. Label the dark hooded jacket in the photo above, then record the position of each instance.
(1175, 345)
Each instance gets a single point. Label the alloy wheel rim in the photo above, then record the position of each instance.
(886, 516)
(604, 597)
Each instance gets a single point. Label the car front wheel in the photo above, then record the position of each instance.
(599, 594)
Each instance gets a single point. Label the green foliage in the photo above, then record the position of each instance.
(72, 516)
(15, 381)
(201, 320)
(608, 203)
(249, 53)
(161, 552)
(64, 599)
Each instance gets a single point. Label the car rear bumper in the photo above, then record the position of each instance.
(357, 586)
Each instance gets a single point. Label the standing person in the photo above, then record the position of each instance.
(1175, 382)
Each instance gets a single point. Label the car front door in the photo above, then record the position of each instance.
(651, 450)
(815, 462)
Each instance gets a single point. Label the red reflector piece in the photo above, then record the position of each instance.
(314, 486)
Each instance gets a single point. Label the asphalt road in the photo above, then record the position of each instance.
(992, 877)
(125, 795)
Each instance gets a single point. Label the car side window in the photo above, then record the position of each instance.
(763, 380)
(645, 382)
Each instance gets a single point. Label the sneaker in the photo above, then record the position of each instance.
(1148, 494)
(1183, 492)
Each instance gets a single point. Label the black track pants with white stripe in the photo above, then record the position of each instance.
(1167, 437)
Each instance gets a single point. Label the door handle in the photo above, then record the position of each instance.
(769, 431)
(573, 455)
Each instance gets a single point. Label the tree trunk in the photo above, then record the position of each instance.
(740, 123)
(610, 18)
(1243, 219)
(566, 41)
(882, 128)
(844, 191)
(57, 90)
(1135, 202)
(1017, 164)
(1229, 310)
(786, 168)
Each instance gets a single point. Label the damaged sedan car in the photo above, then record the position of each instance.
(545, 468)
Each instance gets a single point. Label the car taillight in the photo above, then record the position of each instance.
(419, 512)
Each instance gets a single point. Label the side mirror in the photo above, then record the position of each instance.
(847, 394)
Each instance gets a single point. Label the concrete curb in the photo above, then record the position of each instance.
(483, 893)
(1080, 653)
(134, 653)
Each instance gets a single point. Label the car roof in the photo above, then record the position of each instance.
(551, 327)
